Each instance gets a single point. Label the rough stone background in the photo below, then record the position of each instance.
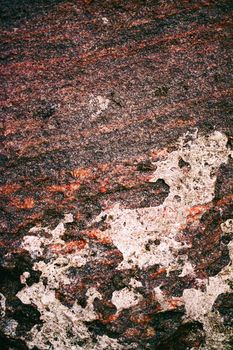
(116, 175)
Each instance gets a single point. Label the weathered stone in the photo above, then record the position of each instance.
(117, 175)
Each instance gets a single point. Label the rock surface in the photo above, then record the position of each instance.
(117, 175)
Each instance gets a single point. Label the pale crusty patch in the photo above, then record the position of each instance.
(125, 298)
(97, 105)
(131, 230)
(199, 304)
(2, 305)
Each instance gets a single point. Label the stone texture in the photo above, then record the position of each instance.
(117, 175)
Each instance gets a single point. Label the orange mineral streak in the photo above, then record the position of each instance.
(68, 188)
(141, 319)
(82, 173)
(175, 302)
(103, 188)
(194, 213)
(9, 189)
(157, 273)
(27, 203)
(109, 319)
(67, 248)
(103, 167)
(98, 235)
(74, 245)
(225, 200)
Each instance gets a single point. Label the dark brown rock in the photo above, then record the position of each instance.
(118, 113)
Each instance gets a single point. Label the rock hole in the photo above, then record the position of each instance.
(183, 164)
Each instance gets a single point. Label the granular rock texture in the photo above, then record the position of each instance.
(116, 175)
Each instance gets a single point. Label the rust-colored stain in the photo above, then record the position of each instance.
(9, 189)
(161, 271)
(68, 248)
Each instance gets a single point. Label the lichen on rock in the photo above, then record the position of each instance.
(149, 242)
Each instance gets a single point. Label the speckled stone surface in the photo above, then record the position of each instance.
(116, 179)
